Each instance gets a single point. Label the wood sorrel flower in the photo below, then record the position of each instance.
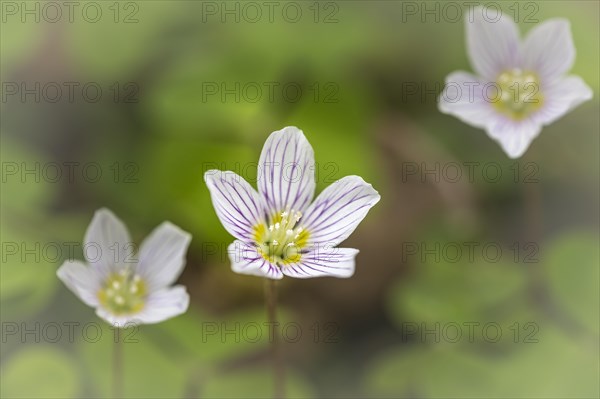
(521, 84)
(278, 230)
(125, 290)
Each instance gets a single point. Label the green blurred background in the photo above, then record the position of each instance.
(389, 331)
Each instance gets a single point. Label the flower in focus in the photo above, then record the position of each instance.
(521, 84)
(279, 229)
(124, 289)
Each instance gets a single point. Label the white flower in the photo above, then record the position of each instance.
(521, 84)
(125, 289)
(278, 230)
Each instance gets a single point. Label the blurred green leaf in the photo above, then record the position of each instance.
(256, 383)
(25, 287)
(208, 342)
(149, 369)
(557, 366)
(458, 292)
(96, 36)
(572, 264)
(553, 367)
(40, 372)
(18, 39)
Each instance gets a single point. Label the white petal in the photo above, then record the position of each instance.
(514, 136)
(334, 262)
(548, 49)
(162, 255)
(107, 244)
(246, 260)
(463, 97)
(237, 204)
(82, 280)
(117, 321)
(493, 44)
(561, 98)
(164, 304)
(286, 174)
(338, 210)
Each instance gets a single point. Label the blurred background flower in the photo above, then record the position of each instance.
(477, 276)
(527, 76)
(125, 286)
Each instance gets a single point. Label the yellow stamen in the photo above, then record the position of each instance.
(123, 293)
(519, 94)
(282, 242)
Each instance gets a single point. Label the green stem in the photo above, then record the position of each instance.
(532, 196)
(117, 365)
(276, 355)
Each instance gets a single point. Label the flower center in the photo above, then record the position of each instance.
(283, 241)
(519, 94)
(123, 293)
